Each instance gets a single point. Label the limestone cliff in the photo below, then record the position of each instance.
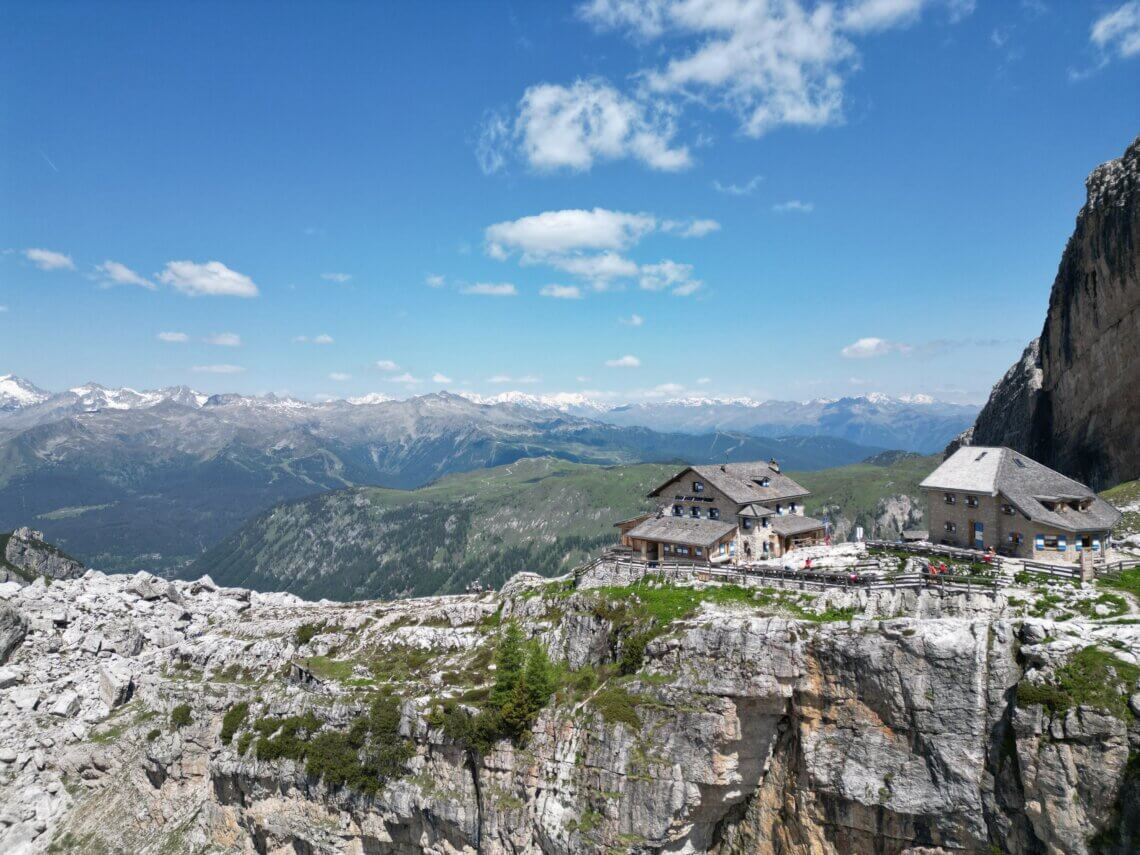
(1073, 400)
(24, 556)
(146, 716)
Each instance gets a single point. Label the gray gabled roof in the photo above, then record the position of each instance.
(755, 510)
(684, 530)
(741, 482)
(794, 524)
(1024, 483)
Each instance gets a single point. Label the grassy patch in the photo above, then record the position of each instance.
(180, 716)
(233, 720)
(616, 704)
(1129, 581)
(1091, 678)
(324, 668)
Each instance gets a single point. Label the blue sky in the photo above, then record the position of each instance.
(640, 198)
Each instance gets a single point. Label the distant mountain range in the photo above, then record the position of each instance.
(910, 423)
(127, 479)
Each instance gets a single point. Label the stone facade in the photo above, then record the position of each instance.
(753, 539)
(1004, 529)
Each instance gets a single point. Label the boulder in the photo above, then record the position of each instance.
(66, 705)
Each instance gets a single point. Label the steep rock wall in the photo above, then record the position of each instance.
(1073, 399)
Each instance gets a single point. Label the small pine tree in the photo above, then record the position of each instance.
(539, 678)
(509, 660)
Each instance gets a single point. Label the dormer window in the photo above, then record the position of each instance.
(792, 507)
(698, 486)
(1007, 510)
(765, 482)
(746, 524)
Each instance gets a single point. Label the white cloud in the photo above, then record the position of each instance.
(225, 339)
(218, 369)
(339, 376)
(501, 379)
(1118, 32)
(745, 189)
(773, 64)
(210, 279)
(627, 361)
(691, 228)
(433, 280)
(634, 320)
(866, 348)
(562, 292)
(173, 337)
(405, 378)
(323, 338)
(599, 268)
(572, 127)
(387, 365)
(494, 142)
(336, 277)
(868, 16)
(440, 378)
(571, 230)
(704, 381)
(46, 259)
(114, 273)
(488, 289)
(671, 275)
(794, 206)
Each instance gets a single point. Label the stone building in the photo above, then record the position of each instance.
(733, 512)
(994, 497)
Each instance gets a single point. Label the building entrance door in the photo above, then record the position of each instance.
(979, 539)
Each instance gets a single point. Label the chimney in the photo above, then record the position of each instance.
(722, 469)
(773, 465)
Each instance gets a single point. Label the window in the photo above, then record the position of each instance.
(697, 551)
(779, 508)
(951, 527)
(971, 501)
(698, 487)
(746, 524)
(732, 547)
(695, 512)
(678, 511)
(714, 513)
(681, 550)
(1048, 541)
(792, 508)
(1015, 538)
(764, 522)
(765, 482)
(721, 549)
(1007, 510)
(950, 498)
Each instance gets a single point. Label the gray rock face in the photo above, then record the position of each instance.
(747, 728)
(28, 557)
(1072, 400)
(13, 628)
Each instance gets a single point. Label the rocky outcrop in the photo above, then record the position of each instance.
(26, 557)
(779, 722)
(1073, 400)
(13, 628)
